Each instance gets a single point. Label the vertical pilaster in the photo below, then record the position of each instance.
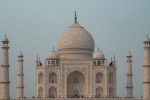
(4, 71)
(115, 79)
(20, 81)
(90, 82)
(146, 68)
(129, 87)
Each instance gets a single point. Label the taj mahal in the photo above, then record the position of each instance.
(75, 71)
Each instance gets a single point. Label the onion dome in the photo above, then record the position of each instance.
(129, 54)
(20, 54)
(76, 40)
(98, 55)
(146, 39)
(76, 37)
(53, 55)
(5, 40)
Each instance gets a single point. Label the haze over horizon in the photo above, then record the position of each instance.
(34, 26)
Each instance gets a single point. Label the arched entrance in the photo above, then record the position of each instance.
(52, 92)
(40, 94)
(40, 77)
(52, 77)
(110, 92)
(99, 77)
(76, 85)
(99, 92)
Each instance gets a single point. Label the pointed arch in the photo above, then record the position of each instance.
(99, 77)
(99, 92)
(40, 77)
(40, 92)
(111, 92)
(52, 92)
(76, 84)
(52, 77)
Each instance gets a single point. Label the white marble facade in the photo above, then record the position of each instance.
(75, 69)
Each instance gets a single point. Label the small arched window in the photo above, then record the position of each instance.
(99, 63)
(99, 92)
(52, 78)
(99, 77)
(52, 92)
(40, 92)
(40, 77)
(111, 92)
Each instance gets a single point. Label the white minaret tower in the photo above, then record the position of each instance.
(20, 85)
(4, 71)
(129, 87)
(146, 67)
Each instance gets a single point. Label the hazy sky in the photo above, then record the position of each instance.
(34, 26)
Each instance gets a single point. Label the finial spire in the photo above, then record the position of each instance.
(21, 54)
(114, 57)
(98, 48)
(146, 35)
(129, 54)
(75, 17)
(5, 41)
(53, 48)
(5, 36)
(37, 57)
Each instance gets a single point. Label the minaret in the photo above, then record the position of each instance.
(37, 61)
(115, 78)
(20, 81)
(146, 68)
(129, 87)
(4, 71)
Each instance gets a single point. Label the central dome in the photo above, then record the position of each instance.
(76, 38)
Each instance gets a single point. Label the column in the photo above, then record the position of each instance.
(20, 81)
(146, 68)
(4, 71)
(129, 87)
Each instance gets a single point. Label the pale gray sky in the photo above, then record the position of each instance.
(34, 26)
